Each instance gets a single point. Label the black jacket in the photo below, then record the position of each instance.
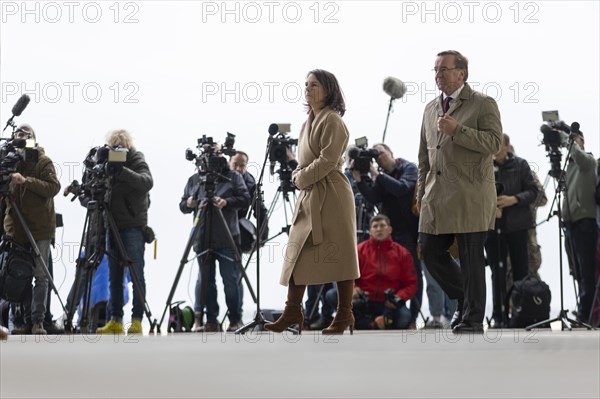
(395, 192)
(234, 192)
(516, 178)
(130, 200)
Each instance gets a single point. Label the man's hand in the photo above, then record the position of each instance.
(358, 292)
(219, 202)
(17, 178)
(373, 170)
(191, 203)
(447, 125)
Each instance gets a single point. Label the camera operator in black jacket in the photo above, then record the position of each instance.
(516, 191)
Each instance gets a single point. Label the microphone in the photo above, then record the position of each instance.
(102, 154)
(21, 104)
(395, 88)
(547, 129)
(273, 129)
(575, 128)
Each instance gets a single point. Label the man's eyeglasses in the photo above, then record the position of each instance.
(20, 134)
(443, 70)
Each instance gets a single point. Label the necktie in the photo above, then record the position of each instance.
(446, 105)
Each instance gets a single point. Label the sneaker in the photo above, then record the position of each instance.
(112, 327)
(433, 324)
(135, 327)
(210, 326)
(24, 329)
(234, 326)
(53, 329)
(38, 329)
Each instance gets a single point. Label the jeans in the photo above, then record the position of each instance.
(34, 302)
(326, 309)
(133, 241)
(230, 274)
(439, 303)
(408, 242)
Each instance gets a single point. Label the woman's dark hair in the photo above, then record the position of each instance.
(335, 97)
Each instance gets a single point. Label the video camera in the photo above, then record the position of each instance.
(280, 144)
(208, 160)
(10, 155)
(101, 163)
(553, 139)
(362, 156)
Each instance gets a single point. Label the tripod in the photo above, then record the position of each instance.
(99, 220)
(203, 225)
(5, 195)
(285, 187)
(560, 175)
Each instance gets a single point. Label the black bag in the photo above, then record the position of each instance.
(530, 302)
(247, 235)
(16, 274)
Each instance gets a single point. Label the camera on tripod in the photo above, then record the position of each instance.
(207, 159)
(13, 151)
(362, 156)
(553, 139)
(101, 163)
(281, 143)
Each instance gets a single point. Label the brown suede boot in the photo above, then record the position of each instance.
(293, 312)
(343, 317)
(3, 333)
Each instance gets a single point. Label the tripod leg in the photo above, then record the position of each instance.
(184, 259)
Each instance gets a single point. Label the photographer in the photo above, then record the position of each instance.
(579, 214)
(516, 191)
(129, 202)
(384, 265)
(229, 196)
(33, 187)
(394, 189)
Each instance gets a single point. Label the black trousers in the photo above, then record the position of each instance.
(465, 282)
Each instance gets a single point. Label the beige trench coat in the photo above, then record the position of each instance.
(456, 174)
(322, 242)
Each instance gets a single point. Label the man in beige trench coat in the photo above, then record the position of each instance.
(461, 132)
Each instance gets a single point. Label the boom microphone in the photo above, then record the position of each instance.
(21, 104)
(575, 128)
(395, 88)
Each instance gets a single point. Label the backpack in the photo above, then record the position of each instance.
(17, 274)
(530, 302)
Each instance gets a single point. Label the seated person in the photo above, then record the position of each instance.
(387, 280)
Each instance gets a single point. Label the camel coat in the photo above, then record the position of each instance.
(322, 242)
(456, 174)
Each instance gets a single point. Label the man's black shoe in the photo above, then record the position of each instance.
(467, 327)
(456, 318)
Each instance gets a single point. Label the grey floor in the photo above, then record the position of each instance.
(500, 364)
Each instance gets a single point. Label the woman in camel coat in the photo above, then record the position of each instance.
(322, 242)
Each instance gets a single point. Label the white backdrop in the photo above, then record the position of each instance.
(172, 71)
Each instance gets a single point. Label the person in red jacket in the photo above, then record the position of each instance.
(387, 280)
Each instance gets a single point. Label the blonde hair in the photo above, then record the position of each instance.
(120, 137)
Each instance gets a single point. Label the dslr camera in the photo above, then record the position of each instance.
(208, 159)
(362, 156)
